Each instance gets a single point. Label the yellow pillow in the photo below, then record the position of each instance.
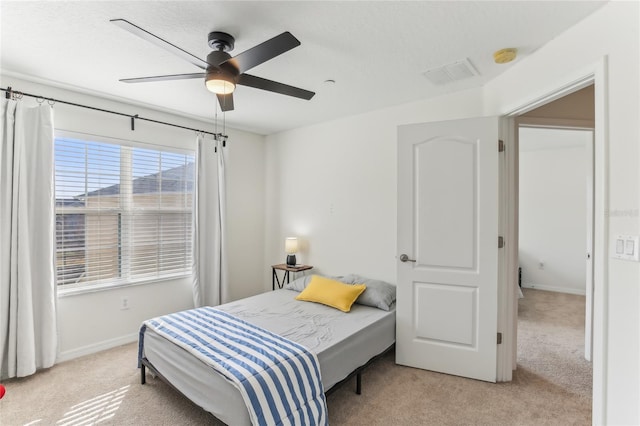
(331, 293)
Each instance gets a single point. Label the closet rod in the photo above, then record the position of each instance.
(9, 92)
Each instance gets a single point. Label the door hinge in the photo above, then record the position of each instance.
(500, 242)
(500, 145)
(499, 338)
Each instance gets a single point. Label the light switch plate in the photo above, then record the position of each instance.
(626, 247)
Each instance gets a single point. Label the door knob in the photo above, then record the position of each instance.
(405, 258)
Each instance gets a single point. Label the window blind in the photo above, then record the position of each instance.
(123, 213)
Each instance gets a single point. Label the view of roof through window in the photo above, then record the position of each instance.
(122, 213)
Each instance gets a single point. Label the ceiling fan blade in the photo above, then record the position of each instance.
(163, 78)
(263, 52)
(226, 102)
(146, 35)
(274, 86)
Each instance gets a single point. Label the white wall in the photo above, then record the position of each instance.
(553, 209)
(245, 169)
(335, 183)
(611, 35)
(93, 321)
(334, 186)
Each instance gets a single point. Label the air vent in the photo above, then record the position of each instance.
(449, 73)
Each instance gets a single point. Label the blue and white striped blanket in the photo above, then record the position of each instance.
(278, 379)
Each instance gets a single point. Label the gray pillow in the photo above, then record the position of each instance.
(379, 294)
(301, 283)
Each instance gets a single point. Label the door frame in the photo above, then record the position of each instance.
(597, 74)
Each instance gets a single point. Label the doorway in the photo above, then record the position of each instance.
(555, 144)
(573, 112)
(555, 242)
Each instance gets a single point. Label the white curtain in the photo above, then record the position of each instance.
(28, 332)
(210, 285)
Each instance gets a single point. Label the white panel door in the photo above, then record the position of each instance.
(446, 311)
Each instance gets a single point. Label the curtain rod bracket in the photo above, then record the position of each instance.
(133, 122)
(8, 93)
(221, 137)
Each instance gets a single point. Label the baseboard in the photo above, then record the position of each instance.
(96, 347)
(577, 291)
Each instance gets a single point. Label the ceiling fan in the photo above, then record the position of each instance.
(222, 72)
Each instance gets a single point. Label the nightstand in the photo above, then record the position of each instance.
(287, 269)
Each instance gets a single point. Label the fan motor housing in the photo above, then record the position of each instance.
(216, 58)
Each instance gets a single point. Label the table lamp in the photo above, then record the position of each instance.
(291, 248)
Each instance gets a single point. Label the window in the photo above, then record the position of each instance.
(123, 213)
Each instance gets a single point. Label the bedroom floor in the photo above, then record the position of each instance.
(551, 386)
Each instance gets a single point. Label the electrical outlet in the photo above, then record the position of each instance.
(124, 303)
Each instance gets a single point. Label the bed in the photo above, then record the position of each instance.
(344, 343)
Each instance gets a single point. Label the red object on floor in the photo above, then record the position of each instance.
(2, 391)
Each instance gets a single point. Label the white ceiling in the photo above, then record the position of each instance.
(376, 51)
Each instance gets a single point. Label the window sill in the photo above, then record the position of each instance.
(65, 292)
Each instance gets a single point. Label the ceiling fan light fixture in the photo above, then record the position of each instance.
(222, 72)
(219, 83)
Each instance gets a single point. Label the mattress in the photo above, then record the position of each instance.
(342, 342)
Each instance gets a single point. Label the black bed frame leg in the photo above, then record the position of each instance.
(359, 383)
(143, 375)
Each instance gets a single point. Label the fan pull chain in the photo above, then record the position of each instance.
(215, 126)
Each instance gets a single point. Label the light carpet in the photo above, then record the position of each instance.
(552, 386)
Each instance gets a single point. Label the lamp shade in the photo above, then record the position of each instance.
(291, 245)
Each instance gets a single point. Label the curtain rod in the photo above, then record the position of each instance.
(10, 94)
